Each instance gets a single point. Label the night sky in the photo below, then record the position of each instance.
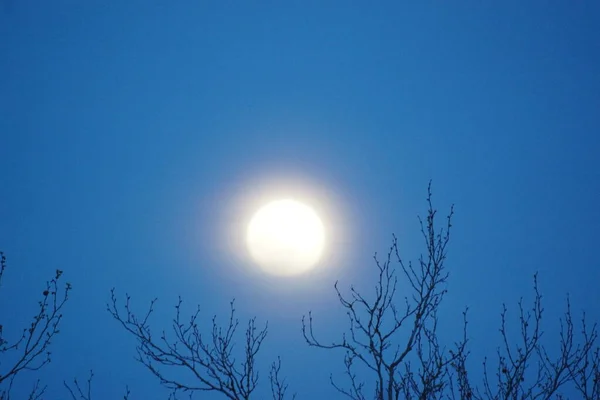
(137, 138)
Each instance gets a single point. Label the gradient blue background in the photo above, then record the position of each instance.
(133, 133)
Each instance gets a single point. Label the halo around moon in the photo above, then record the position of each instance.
(285, 237)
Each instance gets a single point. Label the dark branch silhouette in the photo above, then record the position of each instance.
(78, 393)
(392, 347)
(526, 369)
(382, 335)
(31, 350)
(398, 341)
(209, 360)
(278, 385)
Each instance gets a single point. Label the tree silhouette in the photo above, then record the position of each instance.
(209, 360)
(397, 342)
(30, 351)
(392, 347)
(78, 393)
(374, 326)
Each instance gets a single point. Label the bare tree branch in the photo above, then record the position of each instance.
(587, 372)
(398, 342)
(209, 360)
(375, 326)
(31, 350)
(278, 385)
(517, 378)
(78, 393)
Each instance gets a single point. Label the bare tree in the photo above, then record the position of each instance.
(587, 372)
(30, 351)
(209, 360)
(392, 347)
(278, 385)
(377, 326)
(399, 343)
(526, 369)
(78, 393)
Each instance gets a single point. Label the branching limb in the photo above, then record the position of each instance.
(459, 365)
(209, 360)
(515, 376)
(375, 325)
(279, 386)
(32, 349)
(586, 373)
(78, 393)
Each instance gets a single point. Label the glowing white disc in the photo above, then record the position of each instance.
(285, 237)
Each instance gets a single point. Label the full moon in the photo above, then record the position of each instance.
(285, 237)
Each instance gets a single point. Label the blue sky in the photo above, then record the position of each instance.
(136, 135)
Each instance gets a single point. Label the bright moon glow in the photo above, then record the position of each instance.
(285, 237)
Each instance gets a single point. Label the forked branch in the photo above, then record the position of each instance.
(30, 351)
(382, 334)
(209, 360)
